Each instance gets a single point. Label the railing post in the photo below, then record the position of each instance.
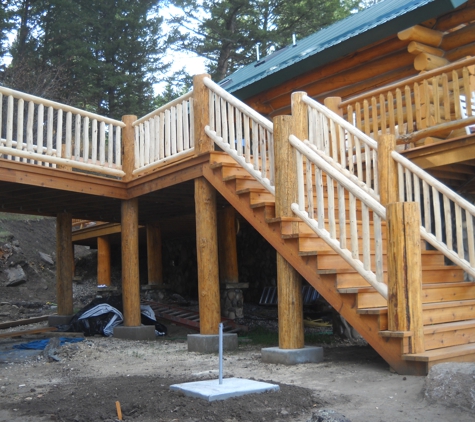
(333, 103)
(387, 170)
(203, 143)
(289, 283)
(128, 147)
(405, 273)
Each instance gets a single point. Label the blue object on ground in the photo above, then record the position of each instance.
(41, 344)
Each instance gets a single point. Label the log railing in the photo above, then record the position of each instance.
(164, 134)
(328, 202)
(46, 133)
(447, 219)
(415, 108)
(354, 151)
(242, 133)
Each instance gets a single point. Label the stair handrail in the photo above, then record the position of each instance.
(434, 194)
(50, 134)
(165, 134)
(371, 272)
(243, 133)
(355, 151)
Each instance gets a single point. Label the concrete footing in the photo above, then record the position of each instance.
(212, 390)
(308, 354)
(209, 343)
(55, 320)
(142, 332)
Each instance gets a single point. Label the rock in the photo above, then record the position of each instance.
(451, 384)
(327, 415)
(15, 276)
(46, 258)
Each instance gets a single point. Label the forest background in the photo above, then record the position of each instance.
(109, 56)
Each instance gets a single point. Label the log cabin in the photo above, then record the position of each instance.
(361, 181)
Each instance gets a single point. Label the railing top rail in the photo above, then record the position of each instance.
(59, 106)
(452, 66)
(304, 148)
(342, 122)
(423, 175)
(176, 101)
(238, 104)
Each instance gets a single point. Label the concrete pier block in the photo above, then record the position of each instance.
(141, 332)
(309, 354)
(55, 320)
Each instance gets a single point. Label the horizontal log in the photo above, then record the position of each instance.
(421, 34)
(10, 324)
(426, 61)
(460, 52)
(435, 130)
(463, 14)
(458, 38)
(415, 47)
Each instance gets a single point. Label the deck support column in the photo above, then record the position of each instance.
(64, 270)
(232, 304)
(103, 261)
(132, 328)
(154, 256)
(405, 274)
(291, 348)
(208, 273)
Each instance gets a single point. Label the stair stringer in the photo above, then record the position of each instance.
(389, 348)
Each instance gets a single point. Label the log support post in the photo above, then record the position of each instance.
(64, 270)
(154, 256)
(387, 170)
(103, 261)
(132, 328)
(232, 299)
(208, 273)
(291, 348)
(405, 273)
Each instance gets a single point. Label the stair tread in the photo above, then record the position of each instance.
(425, 306)
(425, 286)
(449, 326)
(444, 353)
(352, 271)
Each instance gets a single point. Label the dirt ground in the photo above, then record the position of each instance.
(95, 373)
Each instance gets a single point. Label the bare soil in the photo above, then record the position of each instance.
(95, 373)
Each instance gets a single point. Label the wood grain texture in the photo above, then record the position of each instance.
(154, 254)
(207, 257)
(130, 263)
(103, 261)
(228, 262)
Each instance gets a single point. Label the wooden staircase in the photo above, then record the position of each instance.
(448, 302)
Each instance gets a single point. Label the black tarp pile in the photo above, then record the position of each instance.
(103, 314)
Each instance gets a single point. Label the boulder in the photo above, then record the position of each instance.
(451, 384)
(15, 276)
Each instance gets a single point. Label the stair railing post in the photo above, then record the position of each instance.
(333, 103)
(405, 273)
(128, 147)
(201, 116)
(387, 170)
(289, 283)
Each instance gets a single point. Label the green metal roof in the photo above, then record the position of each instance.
(329, 44)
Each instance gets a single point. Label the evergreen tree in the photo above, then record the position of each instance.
(107, 51)
(227, 32)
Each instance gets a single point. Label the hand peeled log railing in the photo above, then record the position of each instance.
(242, 133)
(447, 219)
(164, 134)
(331, 204)
(45, 133)
(428, 104)
(355, 152)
